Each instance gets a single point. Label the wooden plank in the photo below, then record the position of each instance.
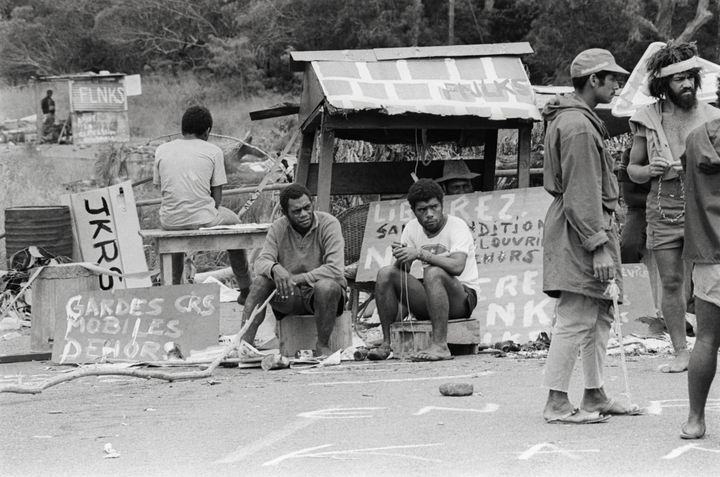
(304, 157)
(524, 157)
(378, 54)
(326, 157)
(312, 97)
(488, 177)
(216, 243)
(21, 358)
(344, 119)
(285, 109)
(381, 177)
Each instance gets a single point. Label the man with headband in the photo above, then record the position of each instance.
(660, 131)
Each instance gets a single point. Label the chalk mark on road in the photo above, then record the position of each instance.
(490, 407)
(656, 407)
(403, 380)
(677, 452)
(341, 413)
(551, 449)
(352, 453)
(260, 444)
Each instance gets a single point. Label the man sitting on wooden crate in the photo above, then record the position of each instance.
(448, 290)
(191, 173)
(303, 258)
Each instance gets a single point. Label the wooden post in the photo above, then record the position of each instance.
(304, 157)
(523, 163)
(489, 160)
(326, 152)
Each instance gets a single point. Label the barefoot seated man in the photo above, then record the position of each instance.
(660, 131)
(581, 249)
(303, 259)
(448, 289)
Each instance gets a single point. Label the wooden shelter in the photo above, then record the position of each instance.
(93, 105)
(418, 95)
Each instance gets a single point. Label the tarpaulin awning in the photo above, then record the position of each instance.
(492, 87)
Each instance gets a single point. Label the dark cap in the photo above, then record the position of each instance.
(592, 61)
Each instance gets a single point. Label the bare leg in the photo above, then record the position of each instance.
(326, 296)
(557, 404)
(178, 264)
(446, 298)
(260, 289)
(671, 267)
(239, 264)
(392, 285)
(703, 364)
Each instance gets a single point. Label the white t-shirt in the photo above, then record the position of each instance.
(185, 169)
(455, 236)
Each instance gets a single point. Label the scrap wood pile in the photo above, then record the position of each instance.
(15, 302)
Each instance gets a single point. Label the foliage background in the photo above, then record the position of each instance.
(248, 41)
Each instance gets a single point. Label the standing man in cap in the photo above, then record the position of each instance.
(581, 246)
(660, 130)
(456, 178)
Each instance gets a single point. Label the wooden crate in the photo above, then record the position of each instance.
(408, 337)
(52, 280)
(296, 332)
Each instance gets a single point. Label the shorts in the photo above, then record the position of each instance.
(305, 303)
(706, 282)
(665, 215)
(471, 300)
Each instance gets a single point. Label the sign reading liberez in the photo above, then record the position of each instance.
(135, 324)
(508, 228)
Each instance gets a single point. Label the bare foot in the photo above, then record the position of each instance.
(557, 406)
(380, 353)
(692, 431)
(435, 352)
(677, 365)
(323, 350)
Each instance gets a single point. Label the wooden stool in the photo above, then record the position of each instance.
(408, 337)
(296, 332)
(53, 281)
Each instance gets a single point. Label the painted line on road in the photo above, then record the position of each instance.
(403, 380)
(260, 444)
(379, 451)
(549, 448)
(490, 407)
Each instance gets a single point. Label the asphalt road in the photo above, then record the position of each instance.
(358, 419)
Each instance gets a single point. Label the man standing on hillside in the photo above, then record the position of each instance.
(47, 104)
(191, 173)
(660, 130)
(581, 250)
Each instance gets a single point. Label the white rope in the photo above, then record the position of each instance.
(613, 290)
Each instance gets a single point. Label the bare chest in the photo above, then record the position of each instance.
(678, 125)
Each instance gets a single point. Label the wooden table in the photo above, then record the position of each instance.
(170, 242)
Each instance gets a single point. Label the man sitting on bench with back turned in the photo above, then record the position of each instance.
(448, 289)
(191, 173)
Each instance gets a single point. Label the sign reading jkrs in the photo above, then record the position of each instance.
(135, 324)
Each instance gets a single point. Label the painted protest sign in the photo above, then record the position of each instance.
(106, 230)
(508, 230)
(135, 324)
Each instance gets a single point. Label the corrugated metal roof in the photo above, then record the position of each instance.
(493, 87)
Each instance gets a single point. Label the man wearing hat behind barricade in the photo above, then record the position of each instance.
(456, 178)
(660, 130)
(581, 251)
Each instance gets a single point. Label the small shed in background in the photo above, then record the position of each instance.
(418, 95)
(90, 108)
